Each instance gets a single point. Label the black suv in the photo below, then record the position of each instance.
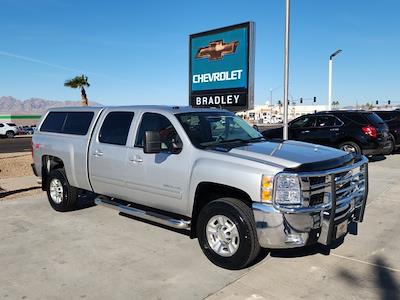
(392, 119)
(360, 132)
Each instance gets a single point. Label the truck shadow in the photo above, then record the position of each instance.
(376, 158)
(301, 252)
(85, 200)
(4, 193)
(298, 252)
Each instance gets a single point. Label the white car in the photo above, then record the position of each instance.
(8, 130)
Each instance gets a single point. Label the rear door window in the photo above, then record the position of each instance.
(115, 128)
(78, 122)
(326, 121)
(306, 121)
(54, 121)
(12, 124)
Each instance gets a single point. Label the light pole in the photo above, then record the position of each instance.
(286, 72)
(270, 94)
(330, 78)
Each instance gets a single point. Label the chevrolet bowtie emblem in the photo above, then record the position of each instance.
(217, 49)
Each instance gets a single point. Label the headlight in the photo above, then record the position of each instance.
(287, 190)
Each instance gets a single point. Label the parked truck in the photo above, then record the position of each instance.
(205, 171)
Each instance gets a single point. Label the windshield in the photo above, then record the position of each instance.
(210, 129)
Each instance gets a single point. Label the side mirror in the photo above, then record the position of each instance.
(152, 142)
(255, 127)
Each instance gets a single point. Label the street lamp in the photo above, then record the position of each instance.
(270, 93)
(330, 78)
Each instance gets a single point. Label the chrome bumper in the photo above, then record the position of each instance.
(330, 197)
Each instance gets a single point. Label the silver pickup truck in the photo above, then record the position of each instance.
(201, 170)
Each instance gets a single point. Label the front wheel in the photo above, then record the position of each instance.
(350, 147)
(227, 233)
(61, 195)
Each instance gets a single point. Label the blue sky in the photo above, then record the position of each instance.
(136, 52)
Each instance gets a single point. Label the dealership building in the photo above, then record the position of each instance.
(261, 114)
(20, 119)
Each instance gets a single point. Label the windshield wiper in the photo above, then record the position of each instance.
(242, 141)
(260, 138)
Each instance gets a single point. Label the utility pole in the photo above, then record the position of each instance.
(330, 78)
(286, 73)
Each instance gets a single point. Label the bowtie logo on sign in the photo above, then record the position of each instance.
(221, 68)
(216, 50)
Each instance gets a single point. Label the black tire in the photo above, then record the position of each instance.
(390, 148)
(355, 146)
(69, 193)
(10, 134)
(241, 215)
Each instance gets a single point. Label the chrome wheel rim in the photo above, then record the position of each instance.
(56, 191)
(222, 235)
(349, 149)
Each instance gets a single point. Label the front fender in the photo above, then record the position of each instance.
(245, 177)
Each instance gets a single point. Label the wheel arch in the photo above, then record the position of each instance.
(50, 163)
(208, 191)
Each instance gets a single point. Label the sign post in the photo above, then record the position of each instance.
(221, 68)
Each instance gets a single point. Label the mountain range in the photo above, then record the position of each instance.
(10, 104)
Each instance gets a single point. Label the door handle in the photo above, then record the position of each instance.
(305, 131)
(98, 153)
(136, 159)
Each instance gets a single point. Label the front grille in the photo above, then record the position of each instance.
(349, 185)
(316, 199)
(333, 196)
(317, 180)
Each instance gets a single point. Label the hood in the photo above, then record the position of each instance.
(294, 155)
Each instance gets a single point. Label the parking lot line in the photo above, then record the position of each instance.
(366, 263)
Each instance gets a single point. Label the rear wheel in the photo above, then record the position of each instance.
(10, 134)
(390, 147)
(227, 233)
(62, 196)
(350, 147)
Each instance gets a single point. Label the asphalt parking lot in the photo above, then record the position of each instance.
(92, 253)
(17, 144)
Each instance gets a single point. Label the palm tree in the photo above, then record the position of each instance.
(335, 104)
(79, 82)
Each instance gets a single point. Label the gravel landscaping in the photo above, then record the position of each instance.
(15, 164)
(16, 176)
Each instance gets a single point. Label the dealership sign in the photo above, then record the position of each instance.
(221, 70)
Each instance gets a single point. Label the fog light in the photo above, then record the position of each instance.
(294, 239)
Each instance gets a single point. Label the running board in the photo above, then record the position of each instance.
(147, 215)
